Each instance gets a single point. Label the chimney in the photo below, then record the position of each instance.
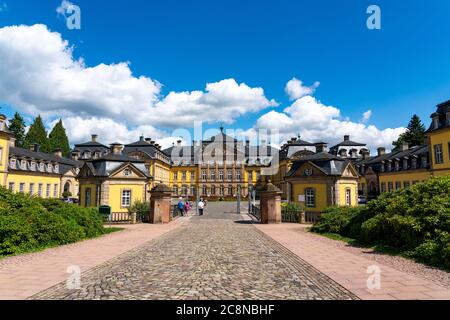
(178, 142)
(12, 142)
(94, 137)
(405, 146)
(35, 147)
(381, 151)
(365, 154)
(141, 138)
(346, 138)
(116, 148)
(321, 147)
(58, 152)
(2, 122)
(75, 155)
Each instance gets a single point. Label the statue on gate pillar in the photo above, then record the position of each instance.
(270, 203)
(160, 204)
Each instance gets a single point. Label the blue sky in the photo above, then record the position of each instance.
(394, 72)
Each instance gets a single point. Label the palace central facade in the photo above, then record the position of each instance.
(222, 167)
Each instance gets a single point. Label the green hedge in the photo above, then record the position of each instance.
(28, 223)
(414, 221)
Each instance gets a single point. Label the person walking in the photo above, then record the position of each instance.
(187, 208)
(180, 207)
(201, 206)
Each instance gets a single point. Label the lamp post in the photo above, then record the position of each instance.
(239, 199)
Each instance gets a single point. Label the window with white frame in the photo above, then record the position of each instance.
(11, 186)
(47, 191)
(183, 175)
(204, 191)
(192, 191)
(438, 154)
(32, 188)
(213, 175)
(220, 175)
(230, 175)
(310, 197)
(348, 197)
(221, 191)
(22, 187)
(238, 175)
(40, 190)
(175, 176)
(55, 190)
(230, 190)
(192, 175)
(126, 198)
(204, 175)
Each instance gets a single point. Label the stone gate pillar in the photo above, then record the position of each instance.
(270, 197)
(160, 204)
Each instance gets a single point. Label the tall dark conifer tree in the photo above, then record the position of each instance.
(37, 134)
(58, 139)
(414, 135)
(17, 126)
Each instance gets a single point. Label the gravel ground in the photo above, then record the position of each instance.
(440, 277)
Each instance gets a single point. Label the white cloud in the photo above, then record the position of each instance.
(80, 130)
(295, 89)
(39, 75)
(318, 122)
(366, 116)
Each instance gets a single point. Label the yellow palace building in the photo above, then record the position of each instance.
(402, 168)
(29, 170)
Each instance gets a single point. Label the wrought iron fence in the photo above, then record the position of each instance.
(312, 217)
(255, 211)
(290, 215)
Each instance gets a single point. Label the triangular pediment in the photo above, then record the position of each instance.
(85, 172)
(350, 172)
(308, 170)
(127, 171)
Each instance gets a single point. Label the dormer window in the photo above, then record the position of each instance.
(33, 165)
(56, 168)
(49, 167)
(23, 164)
(41, 166)
(12, 163)
(436, 122)
(86, 155)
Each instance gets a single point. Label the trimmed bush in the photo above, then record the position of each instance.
(416, 221)
(28, 223)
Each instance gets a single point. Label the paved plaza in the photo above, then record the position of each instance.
(217, 256)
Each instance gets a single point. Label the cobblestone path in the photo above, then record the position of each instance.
(217, 256)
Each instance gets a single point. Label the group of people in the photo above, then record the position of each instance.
(185, 207)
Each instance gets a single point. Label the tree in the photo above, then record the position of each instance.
(37, 134)
(58, 139)
(414, 135)
(17, 126)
